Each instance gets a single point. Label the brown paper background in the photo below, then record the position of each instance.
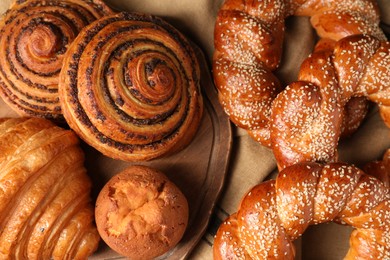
(251, 163)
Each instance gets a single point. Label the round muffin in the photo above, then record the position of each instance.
(140, 213)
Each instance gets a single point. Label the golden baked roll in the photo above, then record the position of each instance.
(140, 213)
(45, 206)
(330, 97)
(34, 36)
(274, 213)
(307, 117)
(130, 87)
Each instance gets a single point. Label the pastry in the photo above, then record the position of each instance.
(34, 37)
(307, 117)
(248, 43)
(45, 205)
(130, 87)
(275, 213)
(140, 213)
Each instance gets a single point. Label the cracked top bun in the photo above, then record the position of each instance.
(140, 213)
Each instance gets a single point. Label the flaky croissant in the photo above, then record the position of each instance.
(34, 37)
(274, 213)
(307, 120)
(45, 207)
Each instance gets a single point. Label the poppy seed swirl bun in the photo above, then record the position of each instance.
(34, 37)
(130, 87)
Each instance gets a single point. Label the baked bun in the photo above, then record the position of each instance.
(304, 121)
(140, 213)
(276, 212)
(130, 87)
(45, 206)
(34, 37)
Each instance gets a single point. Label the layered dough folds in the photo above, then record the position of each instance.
(274, 213)
(45, 207)
(329, 99)
(34, 37)
(130, 87)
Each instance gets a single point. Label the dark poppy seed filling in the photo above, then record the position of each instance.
(129, 88)
(34, 37)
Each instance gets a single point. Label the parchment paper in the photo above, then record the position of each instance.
(250, 162)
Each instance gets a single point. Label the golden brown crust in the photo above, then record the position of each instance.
(354, 113)
(228, 242)
(140, 213)
(307, 117)
(130, 87)
(276, 212)
(248, 46)
(260, 230)
(34, 37)
(44, 197)
(368, 244)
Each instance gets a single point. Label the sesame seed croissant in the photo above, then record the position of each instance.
(45, 206)
(274, 213)
(351, 63)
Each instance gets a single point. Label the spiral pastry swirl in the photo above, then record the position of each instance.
(34, 37)
(130, 87)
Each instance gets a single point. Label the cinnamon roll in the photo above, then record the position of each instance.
(34, 37)
(130, 87)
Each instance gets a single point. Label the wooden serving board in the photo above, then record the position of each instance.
(199, 170)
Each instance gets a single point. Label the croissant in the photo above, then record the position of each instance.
(274, 213)
(306, 122)
(45, 206)
(130, 87)
(34, 37)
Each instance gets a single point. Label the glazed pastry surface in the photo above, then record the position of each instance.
(130, 87)
(34, 37)
(329, 98)
(45, 204)
(275, 213)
